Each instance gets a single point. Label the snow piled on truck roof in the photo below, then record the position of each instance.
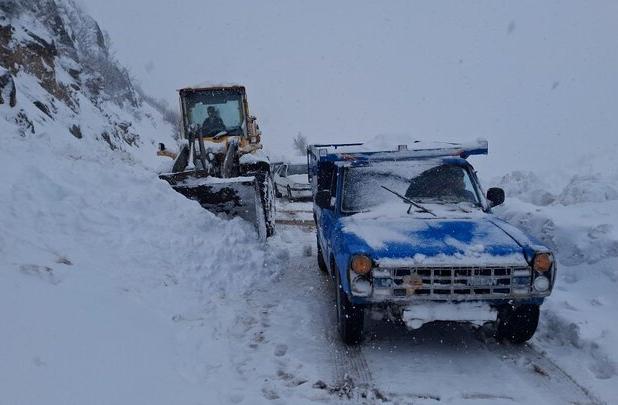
(411, 147)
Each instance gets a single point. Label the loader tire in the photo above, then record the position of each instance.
(267, 199)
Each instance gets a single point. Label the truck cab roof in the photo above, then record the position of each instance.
(417, 150)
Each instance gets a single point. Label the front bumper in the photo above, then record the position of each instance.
(478, 313)
(407, 285)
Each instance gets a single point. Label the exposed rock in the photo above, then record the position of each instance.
(76, 131)
(8, 94)
(41, 106)
(107, 139)
(24, 123)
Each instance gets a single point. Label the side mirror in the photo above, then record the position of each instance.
(495, 195)
(322, 199)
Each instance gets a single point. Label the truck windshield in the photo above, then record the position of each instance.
(423, 182)
(213, 111)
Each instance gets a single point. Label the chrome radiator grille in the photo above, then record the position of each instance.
(467, 281)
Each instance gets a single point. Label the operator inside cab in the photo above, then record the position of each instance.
(213, 124)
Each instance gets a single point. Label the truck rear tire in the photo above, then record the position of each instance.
(350, 318)
(517, 324)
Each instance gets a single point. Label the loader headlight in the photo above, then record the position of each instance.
(361, 264)
(542, 262)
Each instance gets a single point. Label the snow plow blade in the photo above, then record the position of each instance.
(231, 197)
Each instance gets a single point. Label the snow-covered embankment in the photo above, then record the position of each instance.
(576, 215)
(103, 268)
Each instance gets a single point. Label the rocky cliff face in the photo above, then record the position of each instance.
(57, 75)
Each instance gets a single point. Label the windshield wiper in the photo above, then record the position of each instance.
(412, 203)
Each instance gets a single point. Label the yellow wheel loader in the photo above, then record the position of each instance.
(221, 163)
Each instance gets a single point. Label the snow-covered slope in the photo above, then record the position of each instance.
(57, 77)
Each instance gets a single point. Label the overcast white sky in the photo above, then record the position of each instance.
(539, 80)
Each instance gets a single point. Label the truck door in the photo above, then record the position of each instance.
(327, 218)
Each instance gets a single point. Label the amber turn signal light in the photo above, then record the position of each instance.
(542, 262)
(361, 264)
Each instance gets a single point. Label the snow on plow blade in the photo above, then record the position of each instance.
(235, 196)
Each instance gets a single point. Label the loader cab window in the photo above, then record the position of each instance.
(227, 106)
(282, 170)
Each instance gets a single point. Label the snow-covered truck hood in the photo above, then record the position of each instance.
(406, 240)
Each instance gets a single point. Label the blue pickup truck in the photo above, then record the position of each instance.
(407, 233)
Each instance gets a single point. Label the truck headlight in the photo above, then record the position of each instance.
(541, 283)
(361, 264)
(542, 262)
(361, 286)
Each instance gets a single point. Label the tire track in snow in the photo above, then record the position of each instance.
(448, 363)
(529, 357)
(350, 377)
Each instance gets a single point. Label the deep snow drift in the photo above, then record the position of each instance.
(101, 263)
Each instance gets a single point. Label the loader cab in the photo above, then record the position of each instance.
(225, 105)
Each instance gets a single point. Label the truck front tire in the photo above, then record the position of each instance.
(321, 262)
(350, 318)
(517, 324)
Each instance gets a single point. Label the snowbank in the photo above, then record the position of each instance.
(113, 287)
(576, 215)
(105, 270)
